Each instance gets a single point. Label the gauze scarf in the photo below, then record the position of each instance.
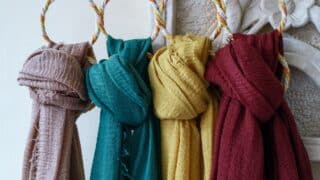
(256, 136)
(127, 145)
(184, 106)
(54, 75)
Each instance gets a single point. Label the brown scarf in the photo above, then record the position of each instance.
(54, 76)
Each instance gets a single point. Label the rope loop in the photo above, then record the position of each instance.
(45, 35)
(158, 11)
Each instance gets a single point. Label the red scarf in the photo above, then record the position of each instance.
(256, 135)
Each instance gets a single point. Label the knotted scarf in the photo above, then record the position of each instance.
(128, 138)
(54, 75)
(256, 136)
(184, 106)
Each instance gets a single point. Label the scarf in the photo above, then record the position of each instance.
(256, 136)
(127, 145)
(184, 106)
(54, 75)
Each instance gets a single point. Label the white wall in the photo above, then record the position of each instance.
(69, 21)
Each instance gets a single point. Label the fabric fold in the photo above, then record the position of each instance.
(54, 75)
(185, 107)
(256, 136)
(128, 137)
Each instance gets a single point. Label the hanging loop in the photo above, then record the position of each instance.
(158, 11)
(45, 35)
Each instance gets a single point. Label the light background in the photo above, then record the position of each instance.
(69, 21)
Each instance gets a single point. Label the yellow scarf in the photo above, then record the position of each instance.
(184, 106)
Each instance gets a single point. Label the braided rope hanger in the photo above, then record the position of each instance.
(159, 11)
(221, 19)
(286, 70)
(221, 6)
(159, 18)
(100, 16)
(43, 21)
(100, 20)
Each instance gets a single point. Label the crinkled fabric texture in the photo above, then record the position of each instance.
(55, 78)
(255, 127)
(127, 145)
(184, 106)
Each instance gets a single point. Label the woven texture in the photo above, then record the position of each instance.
(55, 78)
(195, 16)
(308, 34)
(304, 100)
(184, 106)
(127, 144)
(255, 127)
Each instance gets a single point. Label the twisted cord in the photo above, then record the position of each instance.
(221, 7)
(100, 19)
(45, 9)
(284, 14)
(286, 74)
(159, 20)
(43, 20)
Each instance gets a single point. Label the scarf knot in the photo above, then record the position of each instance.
(177, 71)
(184, 106)
(249, 73)
(118, 85)
(54, 75)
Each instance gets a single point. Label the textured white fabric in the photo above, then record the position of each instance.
(258, 13)
(298, 12)
(315, 16)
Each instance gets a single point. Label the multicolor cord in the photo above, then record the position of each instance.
(284, 14)
(95, 35)
(159, 20)
(100, 20)
(286, 76)
(221, 7)
(43, 20)
(159, 12)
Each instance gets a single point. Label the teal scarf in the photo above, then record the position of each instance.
(128, 139)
